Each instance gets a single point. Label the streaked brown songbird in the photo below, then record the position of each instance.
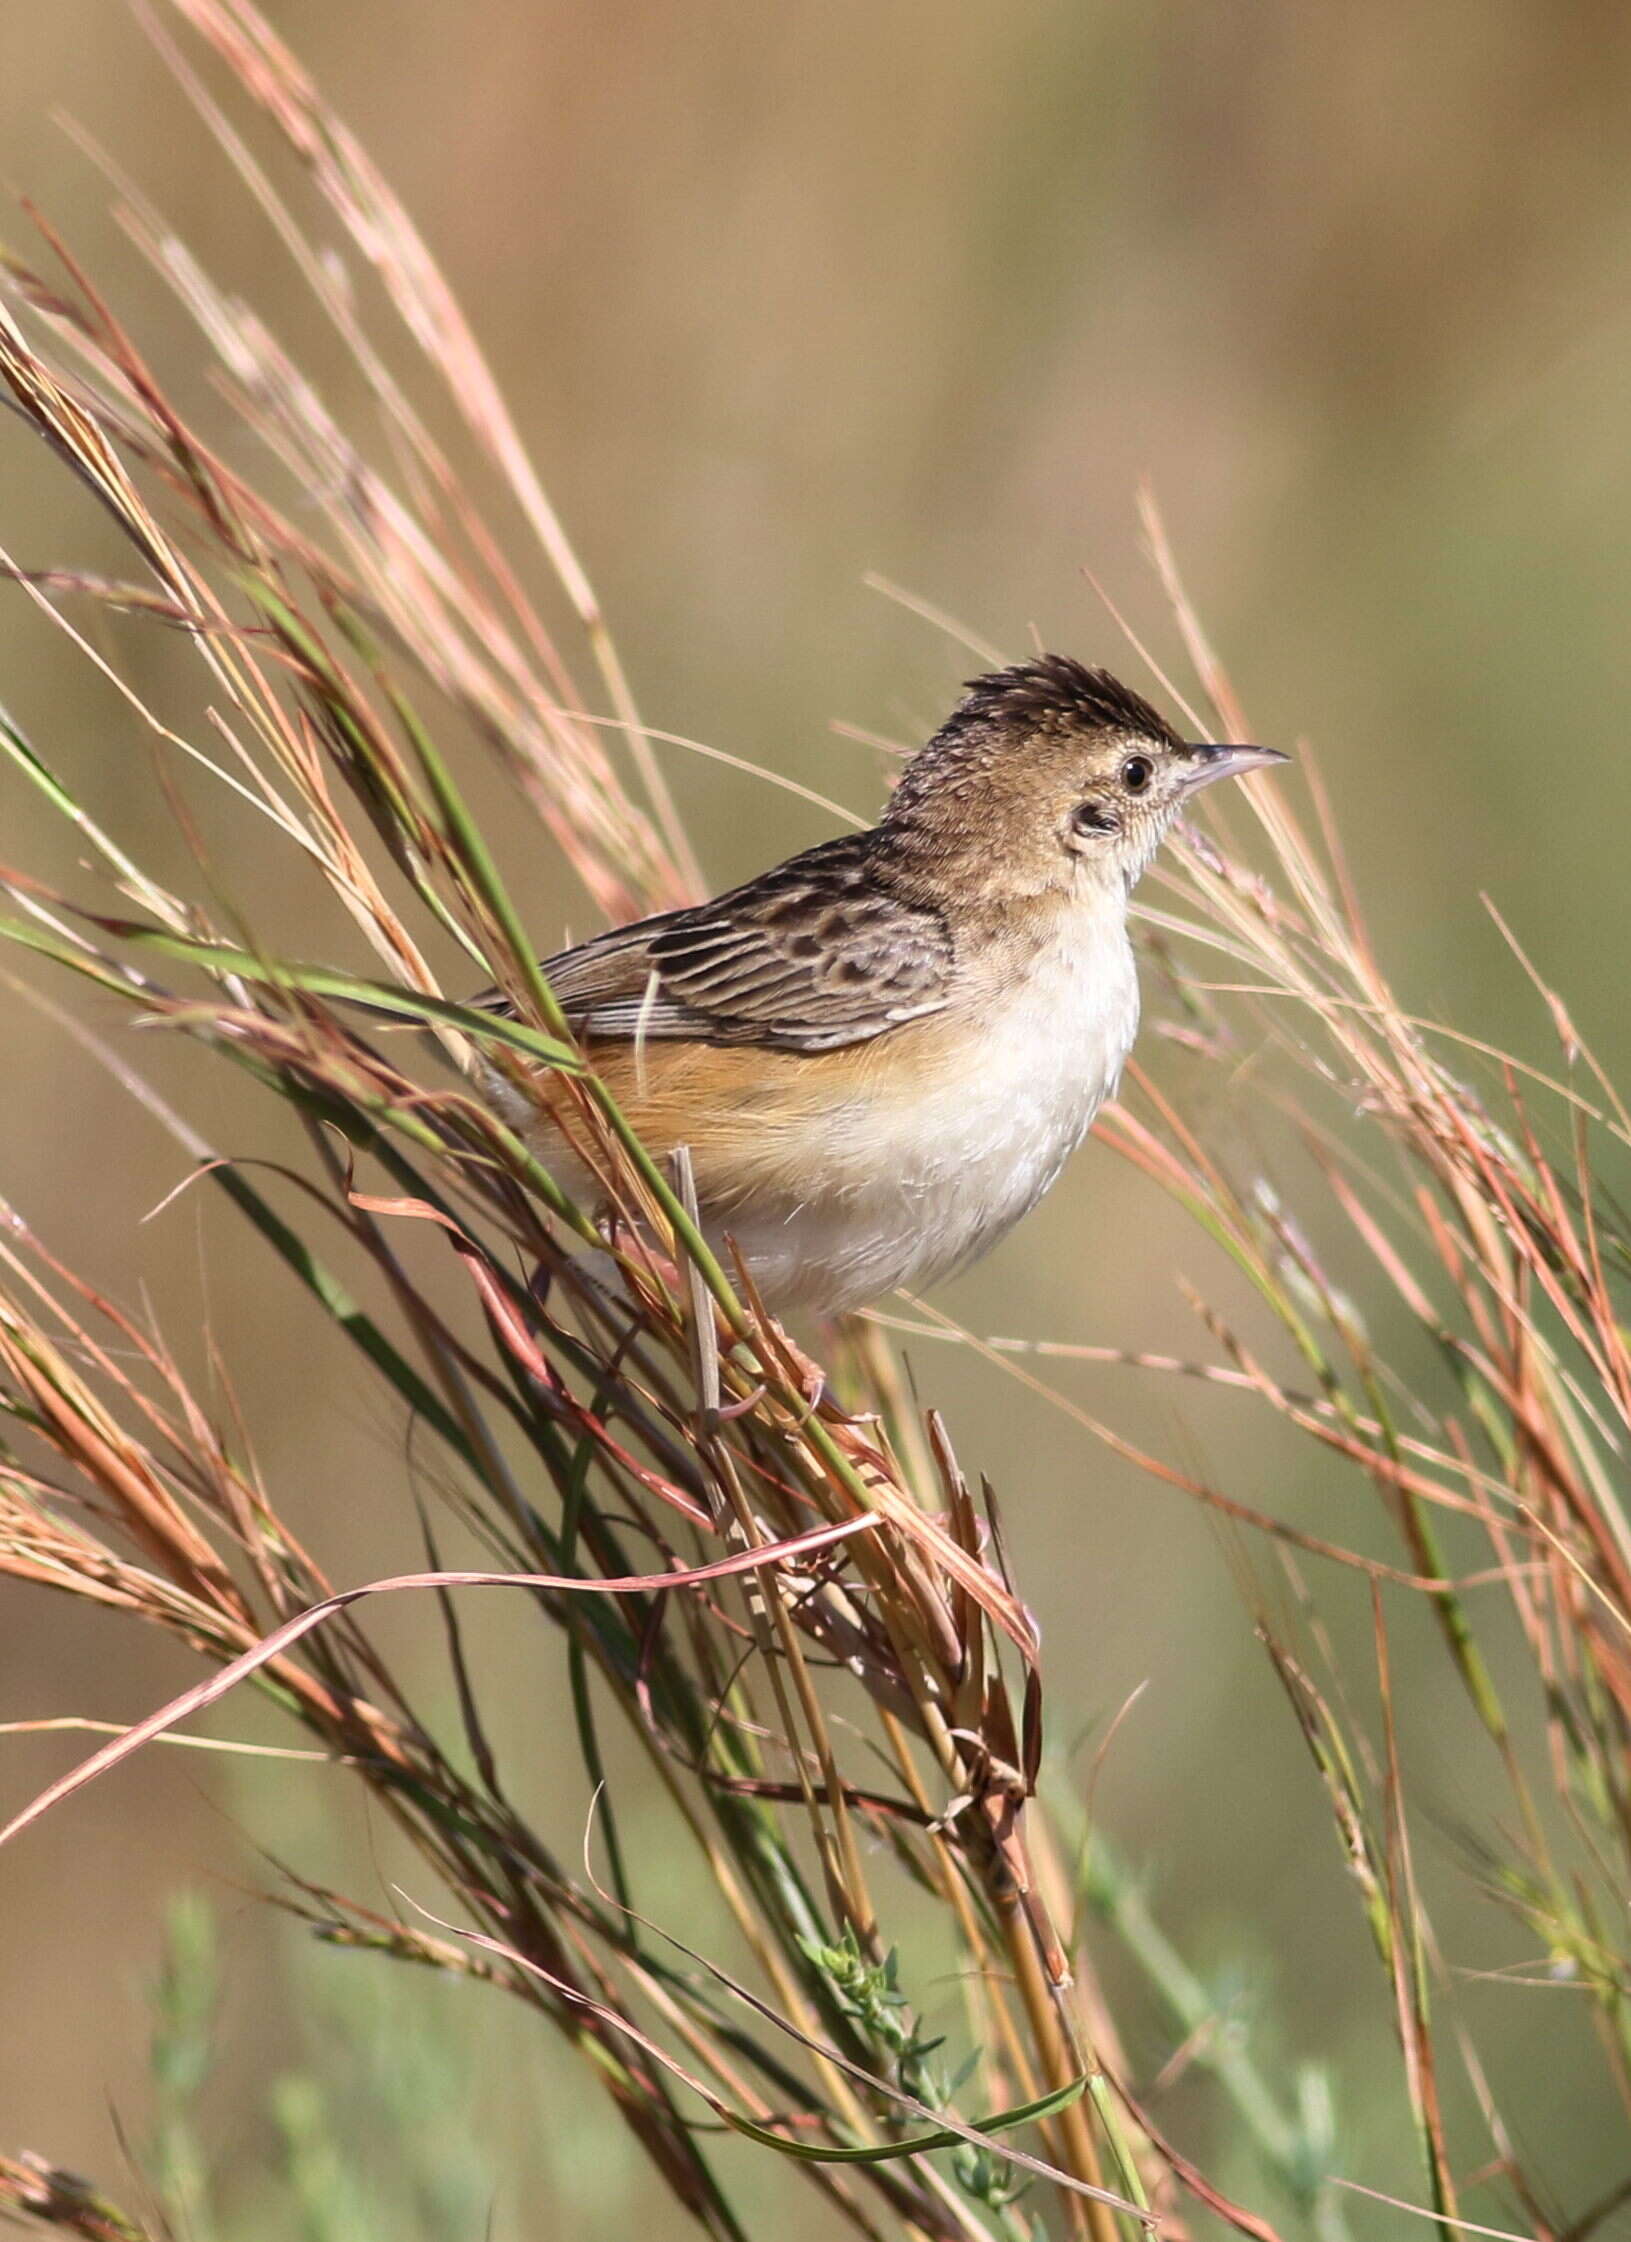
(882, 1051)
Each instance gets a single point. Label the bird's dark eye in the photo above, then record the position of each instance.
(1136, 773)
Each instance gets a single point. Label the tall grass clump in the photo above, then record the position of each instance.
(797, 1616)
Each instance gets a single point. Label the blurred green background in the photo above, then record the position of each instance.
(783, 295)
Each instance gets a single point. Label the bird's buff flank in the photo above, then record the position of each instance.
(882, 1051)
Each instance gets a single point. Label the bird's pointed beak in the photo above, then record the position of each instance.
(1215, 759)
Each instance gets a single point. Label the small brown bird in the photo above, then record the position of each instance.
(881, 1052)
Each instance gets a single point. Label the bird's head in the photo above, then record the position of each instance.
(1049, 776)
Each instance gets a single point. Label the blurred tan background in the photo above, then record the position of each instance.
(782, 295)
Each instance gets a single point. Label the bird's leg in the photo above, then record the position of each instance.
(812, 1379)
(808, 1375)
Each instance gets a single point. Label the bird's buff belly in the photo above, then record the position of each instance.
(841, 1176)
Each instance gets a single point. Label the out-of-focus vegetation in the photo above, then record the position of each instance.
(777, 298)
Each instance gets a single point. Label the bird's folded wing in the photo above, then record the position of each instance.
(808, 957)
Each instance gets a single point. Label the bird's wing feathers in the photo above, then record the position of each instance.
(810, 956)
